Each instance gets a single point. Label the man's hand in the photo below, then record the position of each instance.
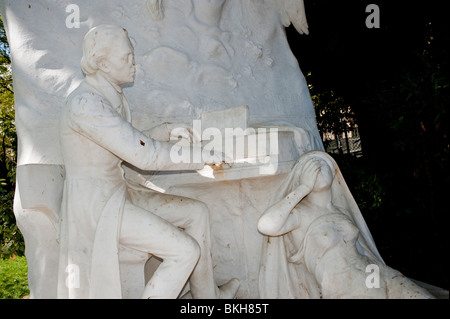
(173, 132)
(181, 130)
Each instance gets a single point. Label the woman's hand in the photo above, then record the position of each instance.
(309, 173)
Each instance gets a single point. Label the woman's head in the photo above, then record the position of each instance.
(325, 167)
(324, 177)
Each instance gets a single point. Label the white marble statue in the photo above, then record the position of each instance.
(192, 57)
(98, 212)
(319, 245)
(209, 12)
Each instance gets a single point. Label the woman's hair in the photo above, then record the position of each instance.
(98, 43)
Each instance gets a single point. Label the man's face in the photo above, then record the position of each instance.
(120, 65)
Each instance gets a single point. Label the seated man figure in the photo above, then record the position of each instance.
(98, 213)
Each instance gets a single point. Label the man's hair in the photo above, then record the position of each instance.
(97, 45)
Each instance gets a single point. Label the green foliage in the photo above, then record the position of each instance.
(13, 278)
(333, 114)
(412, 110)
(11, 240)
(5, 61)
(410, 147)
(365, 183)
(335, 117)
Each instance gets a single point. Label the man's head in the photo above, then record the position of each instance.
(108, 50)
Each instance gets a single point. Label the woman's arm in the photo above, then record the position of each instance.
(278, 220)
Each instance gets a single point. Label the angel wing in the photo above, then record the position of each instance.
(156, 9)
(293, 11)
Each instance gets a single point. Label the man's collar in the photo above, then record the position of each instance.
(111, 91)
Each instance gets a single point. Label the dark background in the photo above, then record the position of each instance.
(396, 80)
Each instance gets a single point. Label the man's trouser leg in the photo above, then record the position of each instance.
(146, 232)
(193, 217)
